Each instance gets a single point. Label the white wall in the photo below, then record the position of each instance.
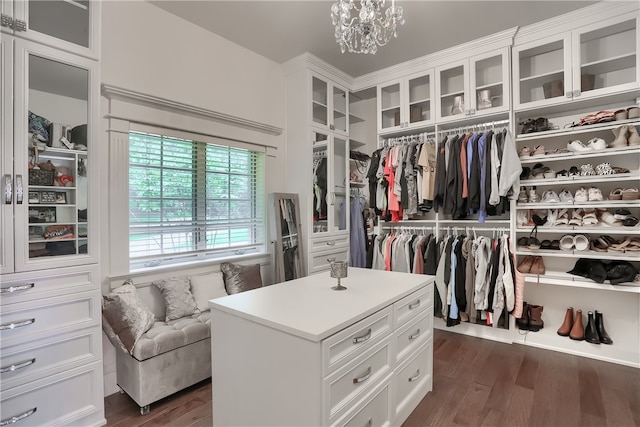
(150, 51)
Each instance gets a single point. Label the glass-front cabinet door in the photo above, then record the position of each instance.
(453, 87)
(329, 105)
(420, 93)
(339, 196)
(6, 155)
(605, 57)
(542, 72)
(71, 25)
(406, 103)
(389, 102)
(54, 141)
(320, 188)
(489, 83)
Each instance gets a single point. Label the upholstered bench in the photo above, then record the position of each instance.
(163, 350)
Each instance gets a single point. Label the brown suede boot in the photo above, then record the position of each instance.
(577, 331)
(565, 329)
(535, 318)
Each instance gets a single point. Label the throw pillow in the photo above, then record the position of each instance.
(240, 278)
(178, 300)
(128, 317)
(206, 287)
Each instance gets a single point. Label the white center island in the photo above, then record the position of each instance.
(301, 354)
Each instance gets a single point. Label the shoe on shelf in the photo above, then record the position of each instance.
(621, 136)
(549, 174)
(550, 196)
(526, 172)
(609, 219)
(563, 217)
(522, 195)
(595, 195)
(577, 146)
(581, 195)
(533, 196)
(604, 168)
(615, 194)
(631, 221)
(565, 196)
(589, 217)
(576, 217)
(630, 194)
(596, 144)
(539, 170)
(535, 316)
(577, 330)
(525, 152)
(538, 150)
(602, 334)
(523, 321)
(587, 170)
(591, 332)
(622, 214)
(566, 326)
(562, 174)
(573, 171)
(633, 138)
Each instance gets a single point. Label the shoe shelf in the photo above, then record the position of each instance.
(558, 253)
(588, 204)
(631, 176)
(558, 278)
(574, 155)
(582, 229)
(575, 130)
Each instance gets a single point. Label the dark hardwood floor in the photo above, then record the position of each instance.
(476, 383)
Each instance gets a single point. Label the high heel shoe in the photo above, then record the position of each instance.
(621, 136)
(634, 138)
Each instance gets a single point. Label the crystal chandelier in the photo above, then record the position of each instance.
(369, 27)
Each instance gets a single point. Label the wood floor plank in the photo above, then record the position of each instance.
(528, 387)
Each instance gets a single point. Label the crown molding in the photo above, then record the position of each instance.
(114, 92)
(601, 10)
(308, 61)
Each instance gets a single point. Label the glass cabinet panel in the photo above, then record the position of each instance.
(420, 99)
(66, 20)
(320, 183)
(390, 106)
(320, 108)
(56, 148)
(541, 72)
(339, 109)
(339, 197)
(608, 56)
(489, 82)
(452, 86)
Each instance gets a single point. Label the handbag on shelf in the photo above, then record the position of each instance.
(535, 125)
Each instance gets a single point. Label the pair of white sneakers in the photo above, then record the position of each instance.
(592, 195)
(593, 144)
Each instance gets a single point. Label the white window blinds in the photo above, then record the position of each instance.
(190, 200)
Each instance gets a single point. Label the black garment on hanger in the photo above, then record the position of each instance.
(460, 205)
(474, 177)
(495, 261)
(461, 265)
(372, 178)
(491, 210)
(447, 260)
(440, 183)
(453, 165)
(431, 257)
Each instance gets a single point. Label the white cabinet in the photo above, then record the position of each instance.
(587, 62)
(329, 105)
(71, 25)
(334, 355)
(406, 103)
(49, 217)
(473, 87)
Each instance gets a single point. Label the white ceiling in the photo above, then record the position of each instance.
(281, 30)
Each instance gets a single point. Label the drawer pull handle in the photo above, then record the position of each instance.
(16, 324)
(415, 377)
(414, 305)
(414, 336)
(363, 378)
(9, 421)
(331, 243)
(17, 366)
(332, 259)
(10, 289)
(362, 338)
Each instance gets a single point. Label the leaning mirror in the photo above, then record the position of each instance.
(288, 240)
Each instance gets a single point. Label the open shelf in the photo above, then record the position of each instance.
(629, 256)
(557, 278)
(576, 130)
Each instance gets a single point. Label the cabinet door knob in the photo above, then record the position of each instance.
(6, 21)
(19, 25)
(332, 259)
(577, 93)
(19, 190)
(331, 243)
(8, 188)
(569, 95)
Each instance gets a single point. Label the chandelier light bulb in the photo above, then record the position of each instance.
(368, 27)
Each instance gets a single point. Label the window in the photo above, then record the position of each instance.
(189, 200)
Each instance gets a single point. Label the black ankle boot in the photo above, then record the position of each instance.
(523, 321)
(602, 334)
(591, 332)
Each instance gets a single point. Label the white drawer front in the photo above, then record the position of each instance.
(37, 359)
(50, 283)
(413, 381)
(413, 335)
(364, 374)
(412, 305)
(26, 321)
(328, 243)
(375, 413)
(63, 399)
(348, 343)
(322, 261)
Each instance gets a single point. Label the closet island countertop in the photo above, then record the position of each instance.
(310, 309)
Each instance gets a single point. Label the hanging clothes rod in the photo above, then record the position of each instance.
(407, 139)
(475, 127)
